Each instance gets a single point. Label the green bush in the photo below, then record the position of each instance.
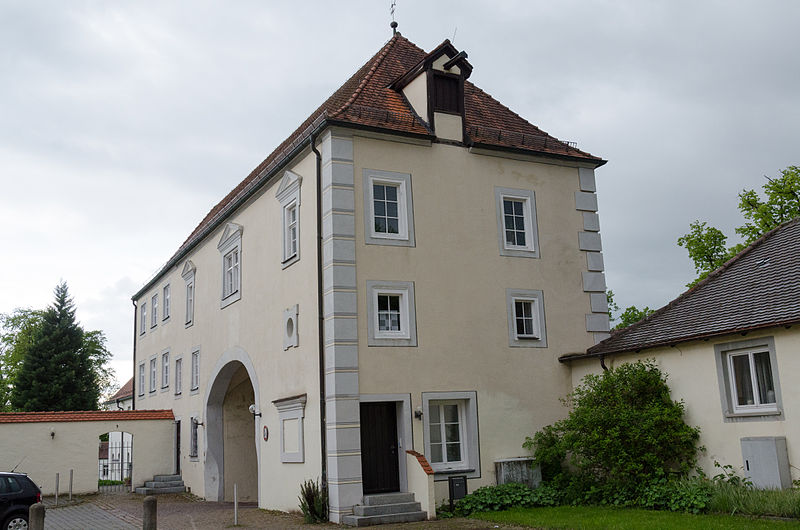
(501, 497)
(313, 502)
(691, 495)
(624, 432)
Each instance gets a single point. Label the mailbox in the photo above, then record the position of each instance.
(458, 488)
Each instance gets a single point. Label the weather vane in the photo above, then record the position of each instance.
(393, 24)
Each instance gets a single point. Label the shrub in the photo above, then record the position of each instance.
(624, 431)
(313, 502)
(502, 497)
(691, 495)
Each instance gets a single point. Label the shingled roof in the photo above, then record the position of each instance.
(366, 101)
(757, 288)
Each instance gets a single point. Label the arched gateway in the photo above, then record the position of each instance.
(232, 449)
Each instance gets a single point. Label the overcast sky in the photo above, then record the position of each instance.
(123, 123)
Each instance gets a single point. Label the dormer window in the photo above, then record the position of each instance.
(446, 97)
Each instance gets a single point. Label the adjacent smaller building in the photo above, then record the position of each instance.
(730, 346)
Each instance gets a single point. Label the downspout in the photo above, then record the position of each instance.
(603, 363)
(133, 397)
(321, 318)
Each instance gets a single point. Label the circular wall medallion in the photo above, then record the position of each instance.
(266, 433)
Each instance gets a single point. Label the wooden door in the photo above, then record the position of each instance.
(379, 460)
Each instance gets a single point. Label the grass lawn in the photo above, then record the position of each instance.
(592, 517)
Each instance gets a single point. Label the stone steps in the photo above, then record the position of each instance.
(162, 484)
(386, 508)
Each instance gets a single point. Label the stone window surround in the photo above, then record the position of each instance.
(288, 195)
(407, 308)
(405, 208)
(292, 409)
(531, 226)
(231, 241)
(526, 294)
(469, 399)
(721, 351)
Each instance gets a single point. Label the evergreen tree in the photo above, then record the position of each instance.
(58, 372)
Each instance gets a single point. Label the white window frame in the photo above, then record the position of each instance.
(288, 195)
(536, 298)
(292, 409)
(165, 303)
(154, 310)
(405, 208)
(407, 335)
(165, 370)
(467, 402)
(153, 373)
(178, 376)
(230, 245)
(194, 386)
(455, 464)
(190, 291)
(142, 379)
(528, 198)
(142, 318)
(732, 411)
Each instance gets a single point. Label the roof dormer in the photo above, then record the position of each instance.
(434, 88)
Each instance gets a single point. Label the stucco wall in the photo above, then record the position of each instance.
(460, 288)
(692, 377)
(30, 448)
(253, 328)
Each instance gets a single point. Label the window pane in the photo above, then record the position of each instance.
(394, 303)
(510, 237)
(395, 322)
(436, 452)
(391, 193)
(436, 433)
(744, 383)
(380, 208)
(434, 412)
(508, 207)
(383, 322)
(517, 208)
(451, 432)
(450, 413)
(383, 303)
(766, 388)
(521, 239)
(509, 222)
(378, 191)
(392, 226)
(391, 209)
(380, 224)
(454, 452)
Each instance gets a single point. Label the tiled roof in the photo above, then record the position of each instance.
(757, 288)
(85, 415)
(366, 101)
(125, 392)
(423, 462)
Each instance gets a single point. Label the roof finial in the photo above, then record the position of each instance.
(393, 24)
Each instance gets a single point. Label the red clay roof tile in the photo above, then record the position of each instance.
(85, 415)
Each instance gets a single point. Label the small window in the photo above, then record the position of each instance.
(154, 311)
(141, 379)
(749, 383)
(388, 208)
(231, 267)
(516, 223)
(230, 246)
(178, 376)
(165, 302)
(143, 318)
(188, 275)
(447, 433)
(392, 320)
(526, 323)
(450, 428)
(288, 195)
(193, 438)
(195, 370)
(165, 370)
(446, 94)
(153, 373)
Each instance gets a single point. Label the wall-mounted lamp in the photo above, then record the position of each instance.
(418, 413)
(52, 433)
(252, 409)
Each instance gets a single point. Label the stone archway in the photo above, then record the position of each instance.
(232, 449)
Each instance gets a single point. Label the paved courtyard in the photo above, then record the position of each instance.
(183, 511)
